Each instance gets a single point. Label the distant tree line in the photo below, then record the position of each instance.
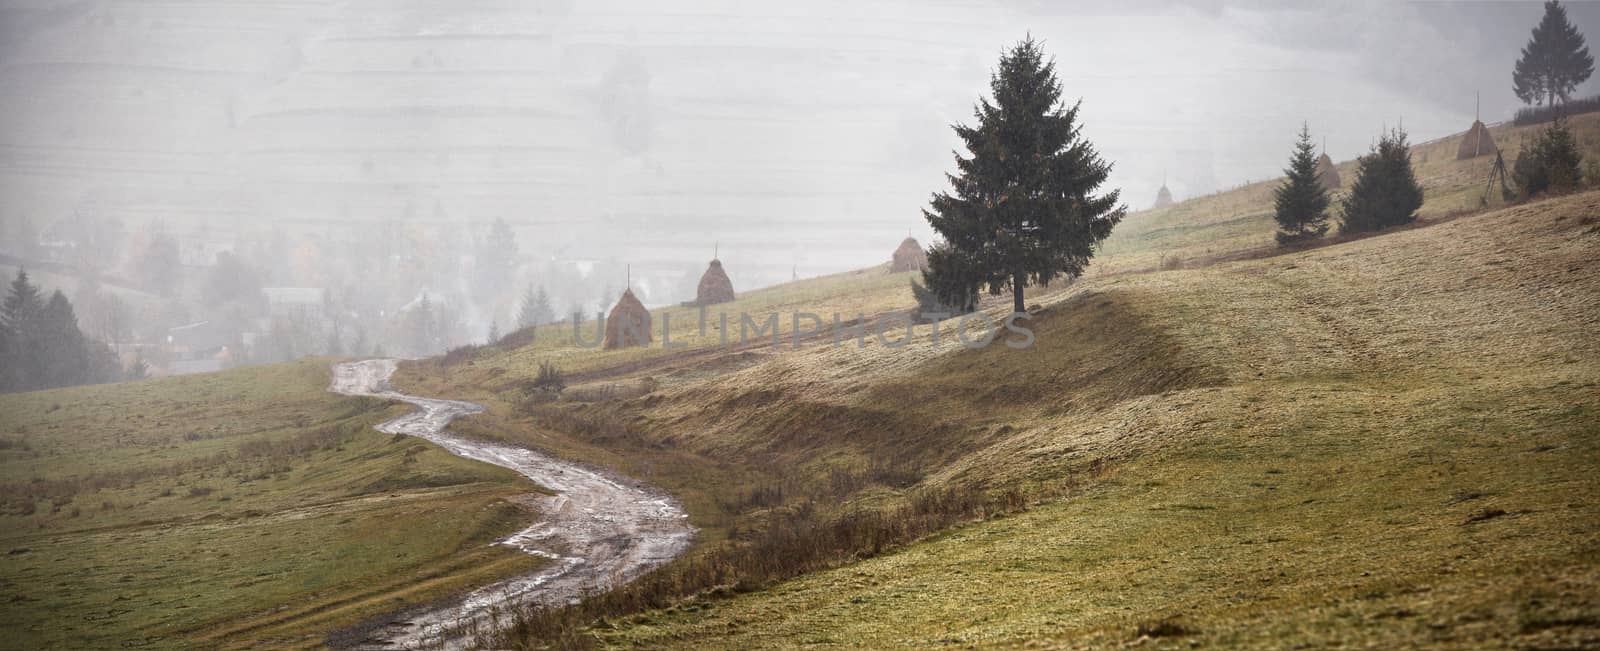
(41, 346)
(1531, 115)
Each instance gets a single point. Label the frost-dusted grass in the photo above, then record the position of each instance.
(174, 522)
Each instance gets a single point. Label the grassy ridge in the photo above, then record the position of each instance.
(219, 509)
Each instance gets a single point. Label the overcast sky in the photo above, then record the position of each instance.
(798, 135)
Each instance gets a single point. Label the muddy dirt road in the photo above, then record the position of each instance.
(598, 530)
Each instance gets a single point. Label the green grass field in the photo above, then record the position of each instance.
(230, 509)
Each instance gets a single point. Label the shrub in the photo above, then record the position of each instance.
(1551, 164)
(550, 378)
(1386, 192)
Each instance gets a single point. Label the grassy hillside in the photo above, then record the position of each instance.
(1341, 444)
(223, 509)
(1389, 442)
(1239, 222)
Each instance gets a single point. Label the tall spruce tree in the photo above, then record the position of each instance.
(1023, 207)
(1554, 62)
(1302, 201)
(1386, 192)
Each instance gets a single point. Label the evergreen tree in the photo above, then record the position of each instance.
(160, 266)
(22, 314)
(535, 309)
(944, 288)
(64, 355)
(494, 333)
(1386, 192)
(1552, 163)
(1554, 62)
(103, 363)
(1022, 208)
(1301, 203)
(22, 303)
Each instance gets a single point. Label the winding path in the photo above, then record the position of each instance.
(599, 530)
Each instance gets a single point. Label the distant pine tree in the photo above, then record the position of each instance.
(1551, 164)
(22, 303)
(494, 333)
(64, 354)
(1386, 192)
(1302, 201)
(1554, 62)
(535, 308)
(21, 315)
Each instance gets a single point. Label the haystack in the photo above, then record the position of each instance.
(628, 324)
(1328, 174)
(1477, 142)
(909, 257)
(1163, 198)
(715, 287)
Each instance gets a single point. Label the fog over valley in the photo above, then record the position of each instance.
(324, 141)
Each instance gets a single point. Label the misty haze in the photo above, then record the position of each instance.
(571, 325)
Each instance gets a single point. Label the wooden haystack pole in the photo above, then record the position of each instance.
(908, 257)
(1477, 142)
(628, 324)
(1328, 173)
(715, 287)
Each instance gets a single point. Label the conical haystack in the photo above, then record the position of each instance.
(1163, 197)
(628, 324)
(715, 287)
(1328, 174)
(1477, 142)
(909, 257)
